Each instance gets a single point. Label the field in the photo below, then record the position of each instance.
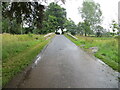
(107, 48)
(18, 51)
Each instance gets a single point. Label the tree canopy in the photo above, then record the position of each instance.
(91, 14)
(24, 15)
(55, 16)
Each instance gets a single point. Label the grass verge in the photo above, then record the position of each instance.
(16, 62)
(107, 48)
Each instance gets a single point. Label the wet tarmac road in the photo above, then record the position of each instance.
(65, 65)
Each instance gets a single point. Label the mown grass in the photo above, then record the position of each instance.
(108, 48)
(18, 52)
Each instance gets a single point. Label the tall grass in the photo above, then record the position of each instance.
(13, 44)
(108, 48)
(18, 52)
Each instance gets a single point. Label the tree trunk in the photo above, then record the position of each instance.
(85, 34)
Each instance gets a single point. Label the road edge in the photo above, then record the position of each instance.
(20, 77)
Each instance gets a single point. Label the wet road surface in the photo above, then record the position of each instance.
(65, 65)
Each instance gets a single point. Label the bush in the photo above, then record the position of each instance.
(73, 32)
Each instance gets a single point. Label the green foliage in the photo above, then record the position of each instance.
(91, 13)
(73, 32)
(115, 27)
(20, 14)
(10, 26)
(84, 28)
(70, 26)
(55, 17)
(99, 31)
(5, 25)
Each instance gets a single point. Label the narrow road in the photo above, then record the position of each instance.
(65, 65)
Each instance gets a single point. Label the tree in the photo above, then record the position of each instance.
(24, 11)
(84, 28)
(99, 31)
(71, 26)
(80, 28)
(115, 27)
(5, 25)
(91, 13)
(30, 13)
(55, 16)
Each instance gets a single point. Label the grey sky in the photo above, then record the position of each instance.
(109, 9)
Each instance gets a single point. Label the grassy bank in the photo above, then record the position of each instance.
(19, 51)
(107, 48)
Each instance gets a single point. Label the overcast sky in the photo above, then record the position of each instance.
(109, 9)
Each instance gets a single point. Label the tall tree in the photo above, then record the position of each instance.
(71, 26)
(84, 28)
(56, 16)
(80, 28)
(91, 13)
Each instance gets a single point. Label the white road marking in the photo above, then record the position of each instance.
(37, 60)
